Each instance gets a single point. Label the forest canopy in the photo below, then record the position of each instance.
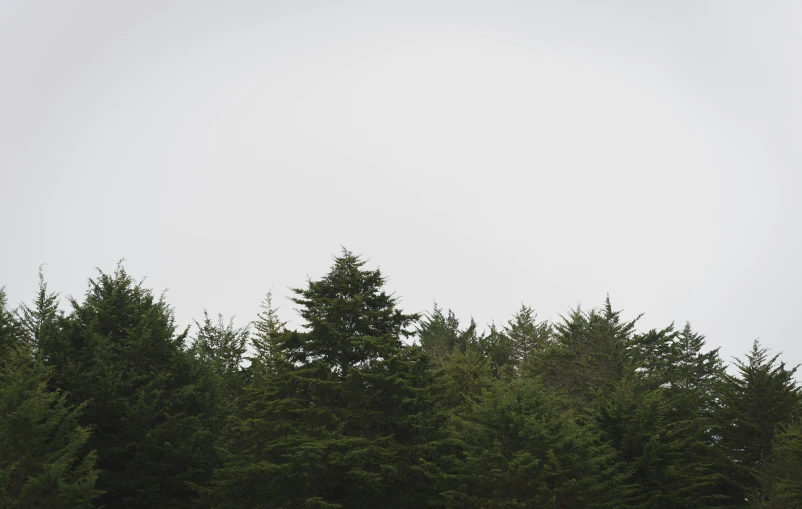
(108, 402)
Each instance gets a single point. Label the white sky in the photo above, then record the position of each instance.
(483, 154)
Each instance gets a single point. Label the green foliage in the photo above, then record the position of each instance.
(118, 350)
(352, 321)
(660, 417)
(781, 476)
(220, 344)
(107, 406)
(497, 348)
(665, 453)
(528, 339)
(588, 355)
(516, 448)
(39, 321)
(440, 335)
(463, 377)
(218, 349)
(337, 422)
(694, 368)
(268, 328)
(761, 397)
(43, 462)
(10, 333)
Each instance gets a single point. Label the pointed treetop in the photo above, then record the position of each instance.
(37, 319)
(350, 317)
(268, 328)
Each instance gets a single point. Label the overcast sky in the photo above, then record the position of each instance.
(483, 154)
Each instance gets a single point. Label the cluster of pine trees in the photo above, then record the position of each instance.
(110, 405)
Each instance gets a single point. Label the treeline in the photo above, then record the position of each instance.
(111, 405)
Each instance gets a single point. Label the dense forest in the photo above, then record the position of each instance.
(106, 402)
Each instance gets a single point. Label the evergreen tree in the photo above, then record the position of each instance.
(106, 406)
(781, 476)
(463, 378)
(338, 423)
(39, 321)
(588, 354)
(676, 361)
(352, 321)
(660, 419)
(10, 333)
(517, 448)
(440, 335)
(118, 350)
(497, 348)
(693, 368)
(43, 462)
(761, 397)
(221, 344)
(694, 395)
(219, 347)
(268, 328)
(666, 455)
(459, 383)
(654, 355)
(528, 338)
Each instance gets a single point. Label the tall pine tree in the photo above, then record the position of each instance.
(781, 476)
(516, 448)
(756, 401)
(338, 422)
(39, 320)
(43, 456)
(268, 328)
(119, 351)
(528, 338)
(588, 355)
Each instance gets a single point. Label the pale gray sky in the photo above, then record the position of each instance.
(483, 154)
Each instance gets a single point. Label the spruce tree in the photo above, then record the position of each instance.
(220, 344)
(781, 476)
(39, 320)
(588, 355)
(528, 338)
(119, 351)
(338, 422)
(516, 448)
(43, 458)
(10, 333)
(660, 419)
(219, 349)
(268, 328)
(756, 401)
(665, 454)
(497, 347)
(694, 368)
(439, 334)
